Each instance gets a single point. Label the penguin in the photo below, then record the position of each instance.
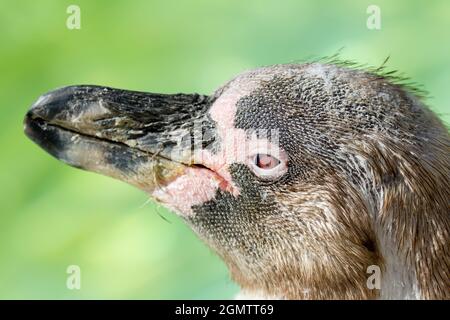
(310, 181)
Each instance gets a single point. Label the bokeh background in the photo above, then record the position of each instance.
(53, 216)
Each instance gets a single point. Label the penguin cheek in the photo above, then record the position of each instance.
(194, 187)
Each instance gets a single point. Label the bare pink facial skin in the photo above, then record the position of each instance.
(199, 185)
(194, 186)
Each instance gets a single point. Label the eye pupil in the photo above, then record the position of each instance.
(266, 161)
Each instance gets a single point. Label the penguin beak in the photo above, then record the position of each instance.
(144, 139)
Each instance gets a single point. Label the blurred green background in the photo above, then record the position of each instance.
(52, 216)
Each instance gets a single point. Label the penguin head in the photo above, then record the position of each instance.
(284, 170)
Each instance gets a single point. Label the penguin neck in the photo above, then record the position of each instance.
(413, 231)
(413, 224)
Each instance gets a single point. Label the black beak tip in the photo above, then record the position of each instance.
(33, 121)
(36, 127)
(52, 103)
(52, 107)
(46, 108)
(28, 125)
(43, 135)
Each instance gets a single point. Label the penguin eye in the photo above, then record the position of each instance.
(267, 167)
(266, 161)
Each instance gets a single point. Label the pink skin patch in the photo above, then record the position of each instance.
(195, 186)
(199, 185)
